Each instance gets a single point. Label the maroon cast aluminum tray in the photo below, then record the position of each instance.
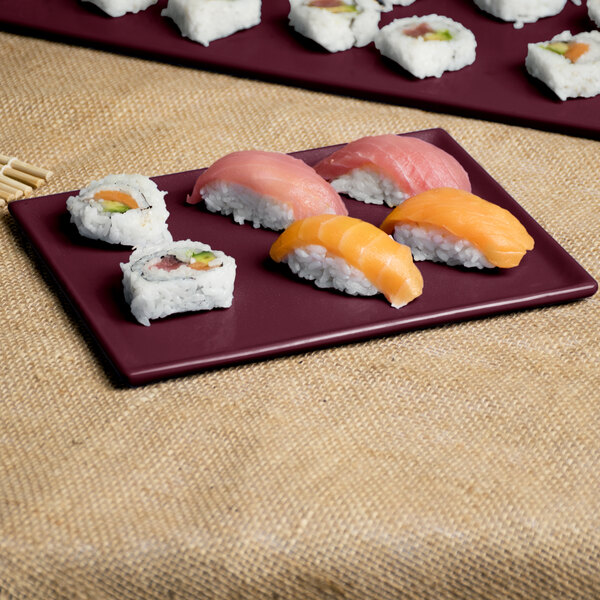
(273, 312)
(495, 87)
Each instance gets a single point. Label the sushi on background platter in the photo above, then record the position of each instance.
(121, 209)
(117, 8)
(521, 11)
(350, 255)
(204, 21)
(459, 228)
(427, 46)
(336, 25)
(387, 169)
(269, 189)
(178, 277)
(568, 64)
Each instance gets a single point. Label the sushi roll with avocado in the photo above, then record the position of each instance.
(117, 8)
(204, 21)
(336, 25)
(593, 7)
(427, 46)
(121, 209)
(568, 64)
(521, 11)
(178, 277)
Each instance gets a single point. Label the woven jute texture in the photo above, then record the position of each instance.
(454, 462)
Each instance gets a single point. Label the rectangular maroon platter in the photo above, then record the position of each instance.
(495, 87)
(274, 313)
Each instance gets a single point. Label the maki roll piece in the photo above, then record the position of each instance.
(179, 277)
(521, 11)
(336, 25)
(458, 228)
(568, 64)
(390, 168)
(593, 7)
(117, 8)
(269, 189)
(351, 256)
(121, 209)
(427, 46)
(206, 20)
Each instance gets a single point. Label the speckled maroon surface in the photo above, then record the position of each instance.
(495, 87)
(273, 312)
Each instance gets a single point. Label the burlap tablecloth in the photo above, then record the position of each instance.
(455, 462)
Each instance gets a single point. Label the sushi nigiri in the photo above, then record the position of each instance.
(390, 168)
(121, 209)
(270, 189)
(349, 255)
(458, 228)
(177, 277)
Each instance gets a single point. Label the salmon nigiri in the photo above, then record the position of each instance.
(270, 189)
(458, 228)
(350, 255)
(390, 168)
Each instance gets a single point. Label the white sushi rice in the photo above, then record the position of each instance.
(312, 262)
(440, 246)
(521, 11)
(336, 31)
(370, 187)
(564, 78)
(135, 227)
(244, 204)
(154, 293)
(593, 7)
(427, 58)
(387, 5)
(204, 21)
(117, 8)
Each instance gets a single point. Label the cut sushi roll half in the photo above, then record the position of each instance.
(458, 228)
(390, 168)
(521, 11)
(351, 256)
(121, 209)
(593, 7)
(336, 25)
(269, 189)
(568, 64)
(427, 46)
(117, 8)
(179, 277)
(206, 20)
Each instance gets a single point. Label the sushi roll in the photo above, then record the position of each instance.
(521, 11)
(206, 20)
(336, 25)
(269, 189)
(389, 4)
(178, 277)
(351, 256)
(390, 168)
(117, 8)
(593, 7)
(427, 46)
(121, 209)
(458, 228)
(568, 64)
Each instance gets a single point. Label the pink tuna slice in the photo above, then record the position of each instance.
(281, 177)
(413, 165)
(168, 263)
(419, 30)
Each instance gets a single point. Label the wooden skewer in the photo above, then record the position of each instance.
(24, 167)
(15, 184)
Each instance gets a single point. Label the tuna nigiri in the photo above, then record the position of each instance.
(390, 168)
(350, 255)
(459, 228)
(269, 189)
